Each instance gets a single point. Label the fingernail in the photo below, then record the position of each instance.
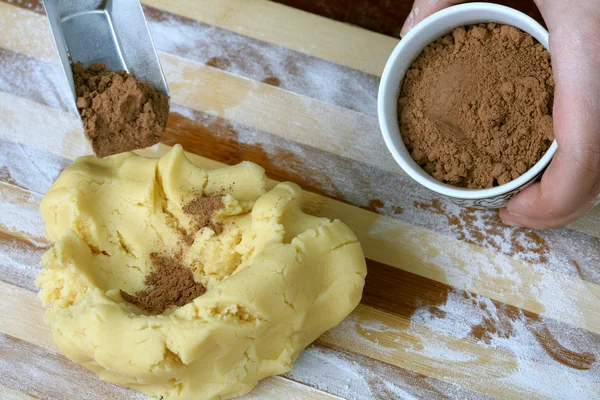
(512, 223)
(408, 24)
(513, 212)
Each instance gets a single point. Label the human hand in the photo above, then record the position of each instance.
(570, 187)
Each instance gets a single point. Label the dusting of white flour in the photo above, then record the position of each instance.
(266, 62)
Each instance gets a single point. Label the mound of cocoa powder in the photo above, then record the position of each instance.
(170, 284)
(475, 108)
(203, 210)
(119, 112)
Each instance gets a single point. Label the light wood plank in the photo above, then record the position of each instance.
(307, 33)
(387, 240)
(46, 374)
(24, 29)
(277, 387)
(7, 393)
(19, 214)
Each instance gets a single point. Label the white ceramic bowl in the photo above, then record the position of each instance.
(430, 29)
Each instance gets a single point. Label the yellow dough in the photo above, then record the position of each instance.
(276, 277)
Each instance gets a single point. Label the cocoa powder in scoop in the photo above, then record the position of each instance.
(170, 284)
(475, 108)
(119, 112)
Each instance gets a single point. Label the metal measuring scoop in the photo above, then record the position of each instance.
(113, 32)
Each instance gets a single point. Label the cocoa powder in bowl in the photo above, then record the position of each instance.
(475, 108)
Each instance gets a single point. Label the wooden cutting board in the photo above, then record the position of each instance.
(456, 305)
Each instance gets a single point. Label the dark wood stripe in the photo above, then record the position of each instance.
(257, 60)
(383, 16)
(400, 292)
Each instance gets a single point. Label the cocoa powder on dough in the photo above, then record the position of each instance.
(119, 112)
(475, 108)
(203, 210)
(170, 284)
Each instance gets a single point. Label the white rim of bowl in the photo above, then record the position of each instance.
(386, 121)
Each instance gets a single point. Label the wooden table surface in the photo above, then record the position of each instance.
(456, 305)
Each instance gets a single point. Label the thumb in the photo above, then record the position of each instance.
(424, 8)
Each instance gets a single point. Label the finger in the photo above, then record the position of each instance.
(571, 184)
(422, 9)
(511, 220)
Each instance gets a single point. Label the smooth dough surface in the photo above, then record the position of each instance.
(276, 277)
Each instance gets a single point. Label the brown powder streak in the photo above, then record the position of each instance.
(500, 325)
(572, 359)
(203, 210)
(375, 205)
(169, 284)
(529, 245)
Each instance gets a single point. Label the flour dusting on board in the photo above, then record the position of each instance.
(470, 336)
(19, 263)
(41, 81)
(19, 256)
(264, 62)
(45, 374)
(356, 378)
(19, 214)
(541, 347)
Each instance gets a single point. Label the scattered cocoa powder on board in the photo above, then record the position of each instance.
(119, 112)
(203, 210)
(170, 284)
(475, 108)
